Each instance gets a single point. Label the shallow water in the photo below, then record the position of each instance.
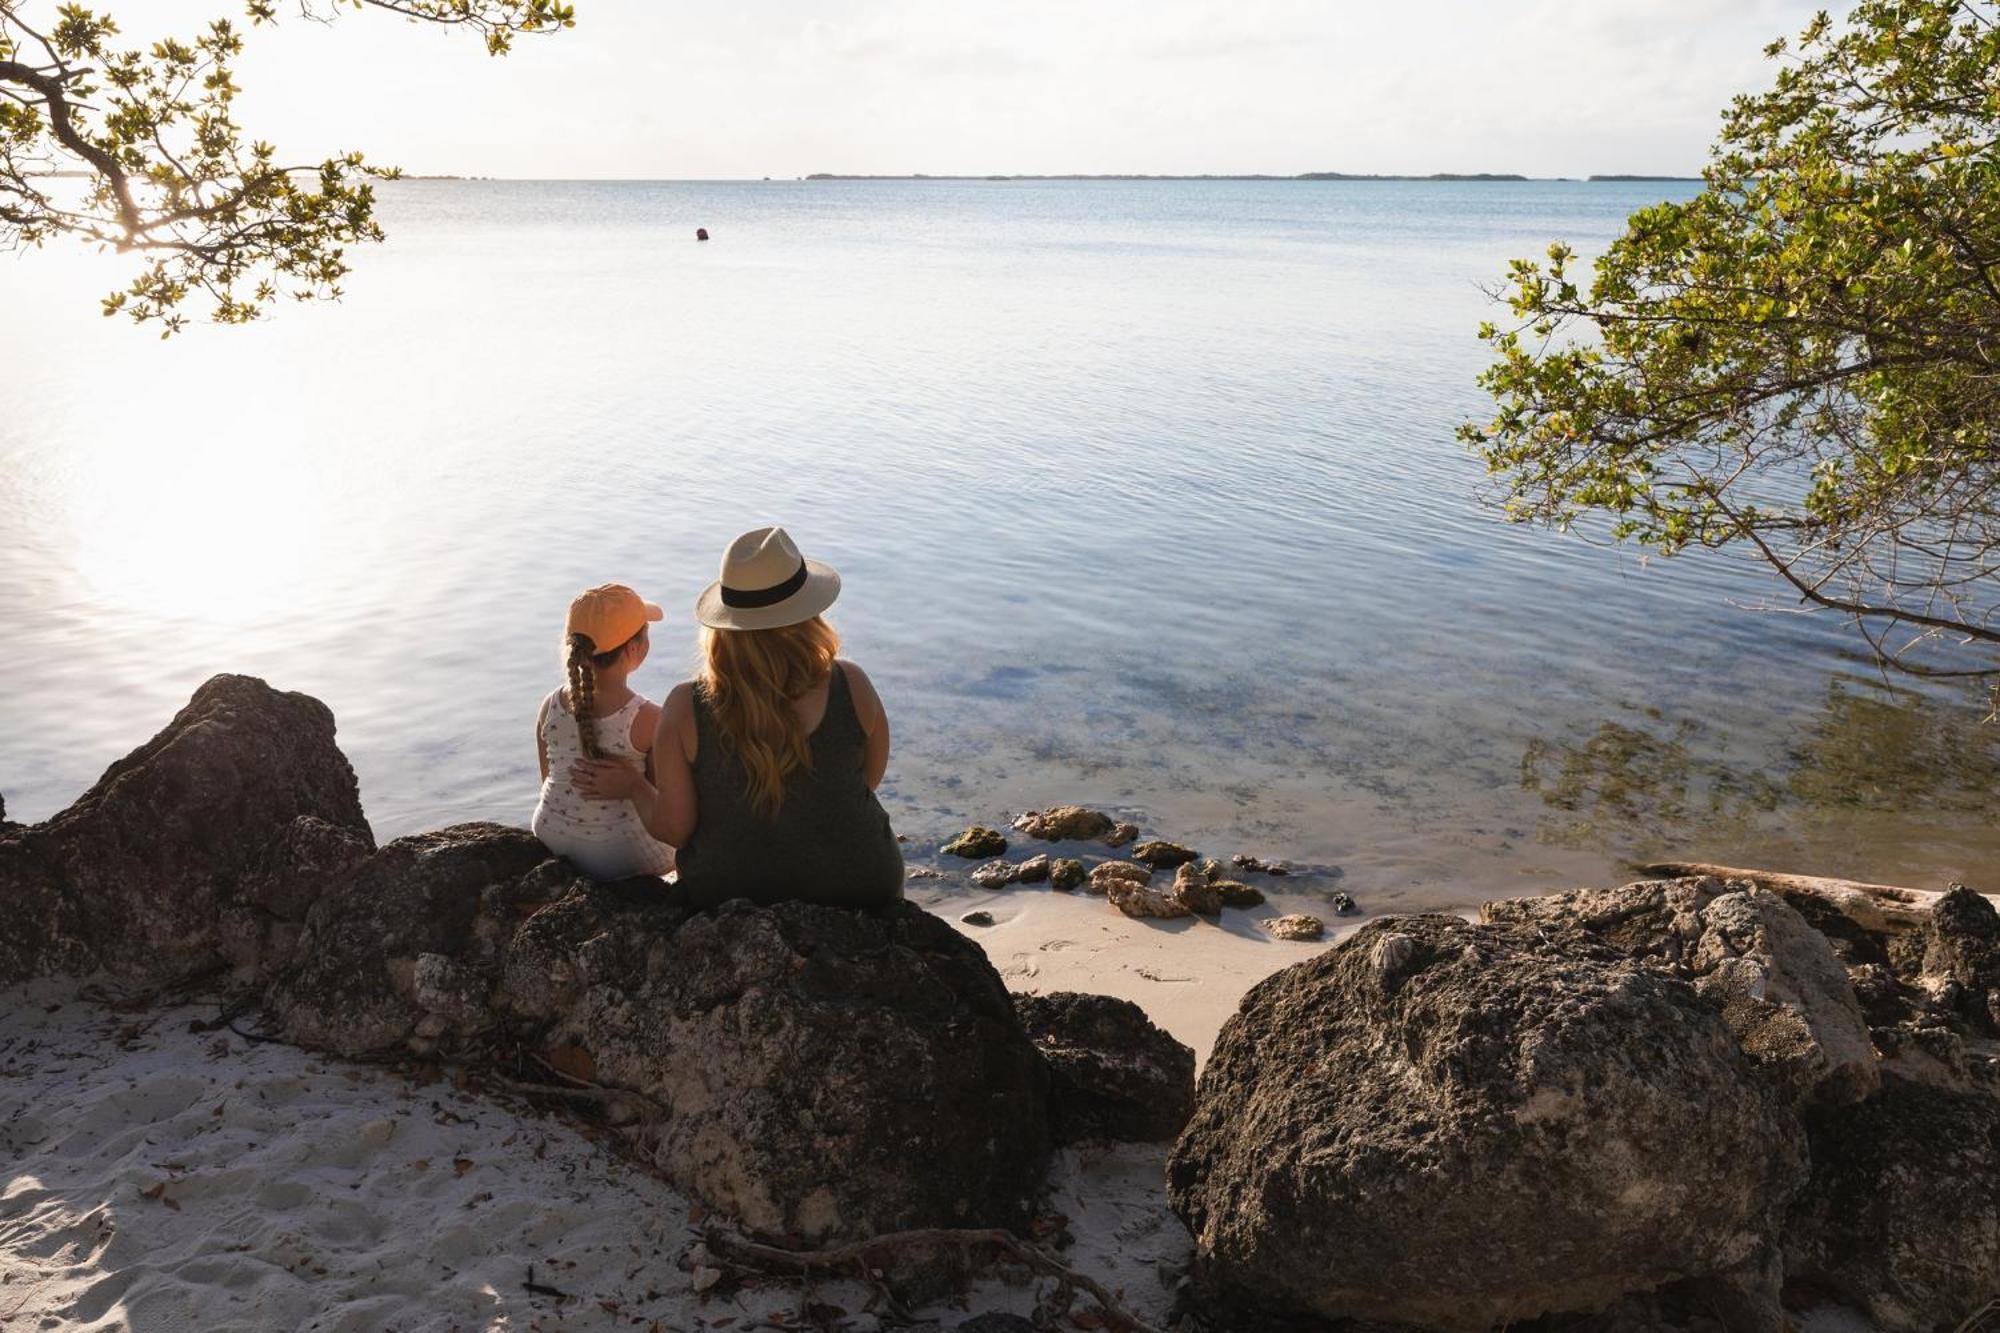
(1145, 495)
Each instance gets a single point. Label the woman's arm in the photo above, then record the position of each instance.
(874, 724)
(665, 799)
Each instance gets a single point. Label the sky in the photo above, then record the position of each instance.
(749, 88)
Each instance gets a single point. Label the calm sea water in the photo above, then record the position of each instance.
(1145, 495)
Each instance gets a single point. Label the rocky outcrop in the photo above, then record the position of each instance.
(819, 1074)
(1457, 1126)
(1902, 1217)
(202, 849)
(1961, 957)
(1114, 1074)
(1782, 991)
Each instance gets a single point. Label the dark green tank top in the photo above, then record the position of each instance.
(831, 841)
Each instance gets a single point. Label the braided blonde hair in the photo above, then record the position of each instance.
(581, 663)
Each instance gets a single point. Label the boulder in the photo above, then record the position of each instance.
(1902, 1216)
(1065, 823)
(453, 897)
(1034, 870)
(1781, 988)
(1235, 893)
(1120, 835)
(818, 1073)
(1114, 1075)
(1961, 957)
(201, 849)
(996, 874)
(1458, 1126)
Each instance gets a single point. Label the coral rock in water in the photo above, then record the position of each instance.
(1120, 835)
(1196, 890)
(1065, 873)
(1065, 823)
(202, 848)
(1235, 893)
(1115, 1075)
(1033, 870)
(1457, 1126)
(1297, 926)
(1135, 899)
(1163, 855)
(995, 875)
(1105, 873)
(976, 844)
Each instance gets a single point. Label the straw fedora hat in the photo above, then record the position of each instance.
(766, 584)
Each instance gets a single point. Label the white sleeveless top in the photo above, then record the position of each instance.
(604, 839)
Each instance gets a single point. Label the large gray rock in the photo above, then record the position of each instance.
(1783, 992)
(819, 1074)
(1115, 1074)
(202, 849)
(1458, 1126)
(1902, 1217)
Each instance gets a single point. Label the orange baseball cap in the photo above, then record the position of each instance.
(610, 614)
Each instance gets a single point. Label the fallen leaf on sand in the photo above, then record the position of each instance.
(154, 1192)
(461, 1164)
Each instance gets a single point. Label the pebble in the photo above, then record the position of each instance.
(922, 872)
(976, 844)
(1343, 903)
(978, 918)
(1297, 926)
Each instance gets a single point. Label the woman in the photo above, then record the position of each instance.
(766, 766)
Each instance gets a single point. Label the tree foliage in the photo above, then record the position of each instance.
(138, 150)
(1804, 358)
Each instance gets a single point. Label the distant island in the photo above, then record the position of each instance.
(1084, 176)
(1643, 178)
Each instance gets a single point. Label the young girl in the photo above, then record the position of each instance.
(598, 716)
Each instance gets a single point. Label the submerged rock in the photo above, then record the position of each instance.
(976, 844)
(201, 849)
(1136, 900)
(1459, 1126)
(1163, 855)
(1120, 835)
(1297, 926)
(1065, 823)
(1065, 873)
(1244, 861)
(1235, 893)
(1114, 1074)
(1343, 903)
(1034, 870)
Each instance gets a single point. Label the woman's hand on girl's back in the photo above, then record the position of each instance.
(605, 779)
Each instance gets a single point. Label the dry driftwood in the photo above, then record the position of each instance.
(1880, 907)
(865, 1255)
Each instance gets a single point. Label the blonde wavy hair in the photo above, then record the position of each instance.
(751, 677)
